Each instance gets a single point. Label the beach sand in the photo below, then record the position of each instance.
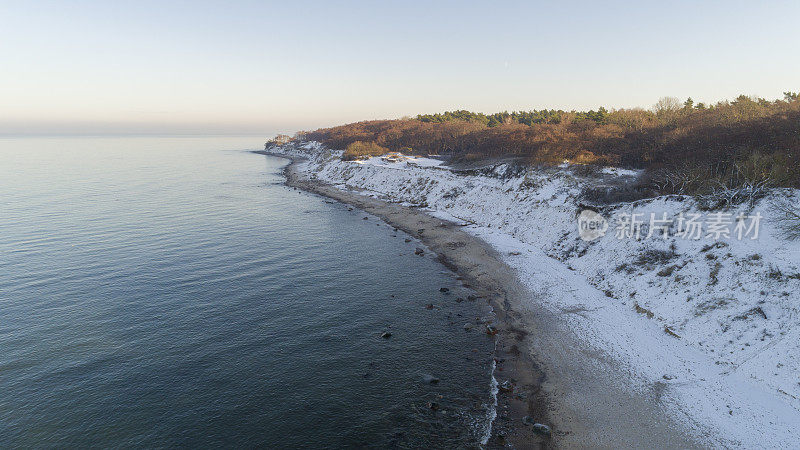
(577, 392)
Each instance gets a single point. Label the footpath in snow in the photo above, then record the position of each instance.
(703, 306)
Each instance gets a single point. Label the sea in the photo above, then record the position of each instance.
(171, 291)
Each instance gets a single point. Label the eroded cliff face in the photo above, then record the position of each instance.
(726, 288)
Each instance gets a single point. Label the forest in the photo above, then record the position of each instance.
(683, 146)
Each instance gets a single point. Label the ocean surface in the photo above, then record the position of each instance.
(165, 292)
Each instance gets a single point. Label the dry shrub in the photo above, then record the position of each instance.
(359, 148)
(635, 119)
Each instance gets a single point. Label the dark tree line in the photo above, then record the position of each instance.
(520, 117)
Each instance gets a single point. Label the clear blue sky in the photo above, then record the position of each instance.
(262, 67)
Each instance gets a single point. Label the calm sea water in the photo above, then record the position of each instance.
(168, 292)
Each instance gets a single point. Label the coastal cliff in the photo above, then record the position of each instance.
(702, 321)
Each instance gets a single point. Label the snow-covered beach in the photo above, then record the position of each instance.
(698, 332)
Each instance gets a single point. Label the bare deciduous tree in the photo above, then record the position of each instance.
(667, 108)
(788, 217)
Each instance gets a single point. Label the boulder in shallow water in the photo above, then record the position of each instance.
(490, 330)
(506, 386)
(430, 379)
(538, 428)
(542, 429)
(419, 251)
(528, 420)
(445, 290)
(386, 335)
(433, 405)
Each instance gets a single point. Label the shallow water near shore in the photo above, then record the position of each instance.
(173, 292)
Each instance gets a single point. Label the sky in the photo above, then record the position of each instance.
(250, 67)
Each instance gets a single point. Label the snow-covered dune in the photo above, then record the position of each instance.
(709, 316)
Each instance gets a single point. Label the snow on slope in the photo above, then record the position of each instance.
(713, 322)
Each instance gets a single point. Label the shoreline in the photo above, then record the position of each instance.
(664, 342)
(556, 379)
(480, 267)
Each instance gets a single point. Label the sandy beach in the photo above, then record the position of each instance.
(579, 394)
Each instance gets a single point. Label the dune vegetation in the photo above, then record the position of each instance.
(684, 147)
